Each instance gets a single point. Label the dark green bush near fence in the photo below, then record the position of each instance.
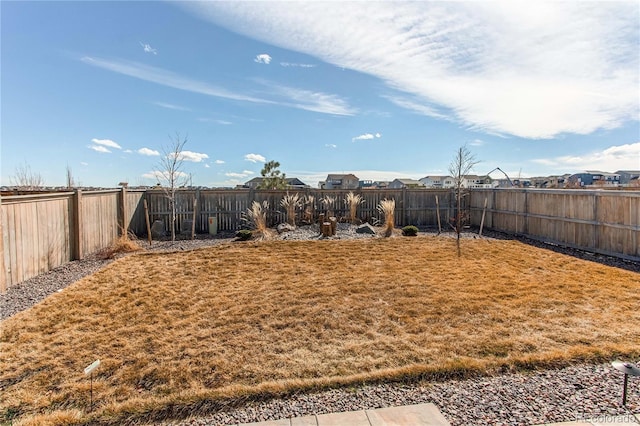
(244, 234)
(410, 231)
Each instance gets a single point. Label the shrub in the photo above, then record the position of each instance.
(410, 231)
(244, 234)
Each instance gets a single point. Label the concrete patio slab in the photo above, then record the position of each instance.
(304, 421)
(407, 415)
(348, 418)
(281, 422)
(410, 415)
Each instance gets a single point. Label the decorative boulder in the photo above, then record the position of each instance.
(285, 227)
(365, 228)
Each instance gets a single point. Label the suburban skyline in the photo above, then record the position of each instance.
(383, 90)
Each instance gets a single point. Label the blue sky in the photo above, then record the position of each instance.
(383, 90)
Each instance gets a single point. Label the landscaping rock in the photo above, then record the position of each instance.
(285, 227)
(365, 228)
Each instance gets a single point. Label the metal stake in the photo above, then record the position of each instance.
(91, 393)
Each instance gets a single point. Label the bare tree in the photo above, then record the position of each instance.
(70, 180)
(461, 165)
(171, 175)
(25, 179)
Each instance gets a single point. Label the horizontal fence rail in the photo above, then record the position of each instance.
(41, 232)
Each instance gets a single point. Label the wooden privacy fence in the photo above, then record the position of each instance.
(43, 231)
(606, 222)
(228, 207)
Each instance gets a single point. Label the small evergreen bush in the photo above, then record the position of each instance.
(410, 231)
(244, 234)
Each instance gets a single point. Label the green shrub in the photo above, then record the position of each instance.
(410, 231)
(244, 234)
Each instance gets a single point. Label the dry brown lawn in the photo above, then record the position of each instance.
(189, 331)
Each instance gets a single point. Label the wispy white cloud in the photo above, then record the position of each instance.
(262, 59)
(106, 142)
(171, 106)
(167, 78)
(206, 166)
(195, 157)
(127, 151)
(422, 108)
(366, 136)
(616, 157)
(285, 96)
(331, 145)
(534, 69)
(243, 174)
(83, 163)
(215, 120)
(163, 176)
(148, 151)
(296, 65)
(147, 48)
(219, 161)
(99, 148)
(309, 100)
(255, 158)
(477, 142)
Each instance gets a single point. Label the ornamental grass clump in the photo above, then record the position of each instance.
(309, 203)
(329, 203)
(290, 204)
(387, 208)
(257, 215)
(353, 201)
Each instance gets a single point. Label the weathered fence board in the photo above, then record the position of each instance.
(606, 222)
(44, 231)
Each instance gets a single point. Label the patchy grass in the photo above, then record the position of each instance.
(181, 333)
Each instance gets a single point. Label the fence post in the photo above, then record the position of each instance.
(596, 237)
(404, 206)
(77, 225)
(3, 271)
(122, 199)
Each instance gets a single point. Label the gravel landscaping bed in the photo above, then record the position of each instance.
(577, 392)
(548, 395)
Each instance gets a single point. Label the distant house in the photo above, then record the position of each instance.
(335, 181)
(626, 176)
(366, 184)
(292, 183)
(475, 181)
(437, 181)
(405, 183)
(594, 178)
